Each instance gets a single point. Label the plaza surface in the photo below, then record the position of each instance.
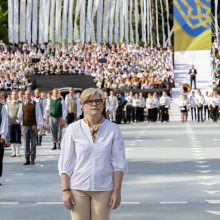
(174, 174)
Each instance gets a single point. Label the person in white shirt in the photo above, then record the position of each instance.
(206, 108)
(92, 162)
(3, 131)
(149, 106)
(156, 105)
(142, 106)
(136, 107)
(215, 102)
(113, 105)
(129, 111)
(184, 105)
(73, 106)
(192, 103)
(164, 107)
(199, 105)
(30, 116)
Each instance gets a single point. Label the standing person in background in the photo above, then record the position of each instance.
(113, 105)
(136, 107)
(156, 106)
(192, 103)
(215, 102)
(56, 109)
(92, 162)
(164, 107)
(149, 106)
(106, 105)
(14, 127)
(37, 98)
(3, 131)
(199, 105)
(142, 106)
(73, 106)
(129, 98)
(184, 105)
(206, 108)
(30, 116)
(192, 73)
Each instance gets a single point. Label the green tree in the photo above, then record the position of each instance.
(4, 20)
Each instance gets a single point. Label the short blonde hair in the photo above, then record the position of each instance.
(87, 93)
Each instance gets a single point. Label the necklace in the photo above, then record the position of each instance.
(94, 128)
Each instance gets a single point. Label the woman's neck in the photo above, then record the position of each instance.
(93, 120)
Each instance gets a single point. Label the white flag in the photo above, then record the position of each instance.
(70, 21)
(34, 21)
(10, 21)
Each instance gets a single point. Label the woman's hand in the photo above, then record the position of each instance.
(115, 199)
(68, 200)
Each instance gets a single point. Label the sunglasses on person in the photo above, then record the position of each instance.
(96, 101)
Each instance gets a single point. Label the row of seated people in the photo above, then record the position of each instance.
(110, 65)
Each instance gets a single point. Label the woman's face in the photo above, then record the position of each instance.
(93, 106)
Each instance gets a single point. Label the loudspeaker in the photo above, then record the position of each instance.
(35, 60)
(102, 60)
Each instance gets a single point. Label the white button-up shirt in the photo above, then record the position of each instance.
(90, 165)
(4, 123)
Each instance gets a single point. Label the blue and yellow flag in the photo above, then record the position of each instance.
(192, 25)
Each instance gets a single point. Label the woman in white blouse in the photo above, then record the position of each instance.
(184, 106)
(92, 162)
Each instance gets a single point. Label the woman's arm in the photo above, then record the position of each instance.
(68, 199)
(116, 194)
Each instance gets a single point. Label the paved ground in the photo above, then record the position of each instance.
(174, 174)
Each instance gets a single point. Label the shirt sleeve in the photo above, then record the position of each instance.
(118, 159)
(64, 109)
(20, 115)
(4, 123)
(78, 105)
(67, 156)
(39, 117)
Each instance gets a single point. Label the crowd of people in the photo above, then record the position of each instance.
(202, 106)
(215, 62)
(125, 66)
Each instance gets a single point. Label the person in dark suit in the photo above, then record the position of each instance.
(192, 73)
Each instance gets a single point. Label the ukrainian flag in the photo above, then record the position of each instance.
(192, 25)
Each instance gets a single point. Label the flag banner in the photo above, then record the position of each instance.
(192, 25)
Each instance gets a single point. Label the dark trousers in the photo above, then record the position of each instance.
(1, 159)
(164, 113)
(15, 133)
(141, 114)
(206, 112)
(215, 113)
(193, 81)
(200, 113)
(129, 112)
(150, 114)
(30, 137)
(154, 114)
(193, 112)
(70, 118)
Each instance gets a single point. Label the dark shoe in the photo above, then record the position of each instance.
(54, 146)
(58, 146)
(40, 140)
(32, 159)
(27, 162)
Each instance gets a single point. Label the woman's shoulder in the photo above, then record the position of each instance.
(111, 125)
